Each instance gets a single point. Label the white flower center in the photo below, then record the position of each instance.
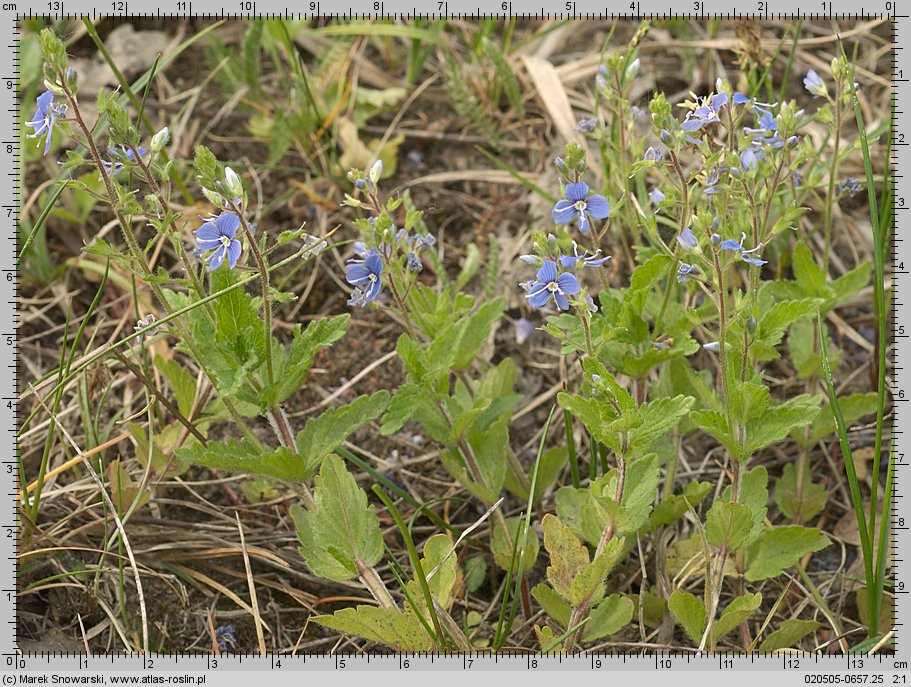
(552, 287)
(372, 277)
(225, 241)
(580, 205)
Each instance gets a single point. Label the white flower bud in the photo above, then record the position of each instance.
(376, 171)
(233, 183)
(632, 70)
(159, 140)
(56, 89)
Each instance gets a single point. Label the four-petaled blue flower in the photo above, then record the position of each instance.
(551, 283)
(217, 235)
(587, 259)
(366, 273)
(815, 85)
(685, 272)
(579, 205)
(851, 186)
(116, 167)
(706, 113)
(224, 637)
(745, 255)
(687, 240)
(43, 120)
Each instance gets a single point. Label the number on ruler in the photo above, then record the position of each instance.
(119, 5)
(55, 6)
(246, 6)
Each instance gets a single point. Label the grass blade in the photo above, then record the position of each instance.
(40, 221)
(851, 473)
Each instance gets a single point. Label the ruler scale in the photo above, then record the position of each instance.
(805, 668)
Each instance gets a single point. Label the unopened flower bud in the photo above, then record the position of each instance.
(159, 141)
(233, 183)
(751, 324)
(632, 70)
(376, 172)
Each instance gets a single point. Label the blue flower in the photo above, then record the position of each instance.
(711, 182)
(43, 120)
(578, 205)
(685, 272)
(116, 167)
(414, 263)
(367, 273)
(749, 159)
(656, 196)
(851, 186)
(524, 329)
(707, 113)
(687, 240)
(224, 637)
(551, 283)
(217, 235)
(815, 85)
(587, 259)
(745, 255)
(652, 154)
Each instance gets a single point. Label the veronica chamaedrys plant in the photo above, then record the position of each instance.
(445, 329)
(225, 331)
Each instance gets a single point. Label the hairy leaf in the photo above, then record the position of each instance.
(781, 547)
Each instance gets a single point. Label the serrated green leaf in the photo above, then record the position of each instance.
(292, 368)
(340, 535)
(810, 278)
(776, 320)
(853, 407)
(781, 547)
(672, 509)
(788, 634)
(640, 487)
(778, 420)
(803, 505)
(689, 613)
(736, 612)
(754, 493)
(325, 433)
(608, 617)
(728, 524)
(244, 456)
(568, 556)
(714, 423)
(389, 626)
(476, 332)
(182, 383)
(656, 419)
(852, 282)
(650, 272)
(552, 603)
(436, 549)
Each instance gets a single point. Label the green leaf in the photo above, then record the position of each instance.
(650, 272)
(477, 330)
(689, 613)
(810, 278)
(736, 612)
(778, 420)
(640, 487)
(754, 494)
(853, 407)
(608, 617)
(182, 383)
(851, 283)
(656, 419)
(713, 422)
(672, 509)
(776, 320)
(728, 524)
(245, 456)
(325, 433)
(389, 626)
(501, 545)
(788, 634)
(292, 368)
(802, 506)
(781, 547)
(435, 550)
(552, 603)
(568, 556)
(341, 534)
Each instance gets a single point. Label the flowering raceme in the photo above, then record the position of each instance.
(43, 120)
(217, 235)
(578, 205)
